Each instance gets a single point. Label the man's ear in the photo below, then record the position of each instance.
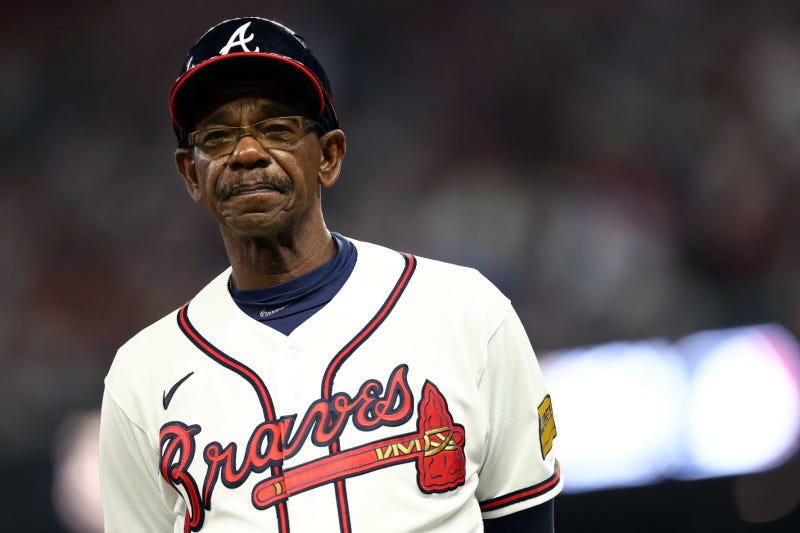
(184, 158)
(333, 146)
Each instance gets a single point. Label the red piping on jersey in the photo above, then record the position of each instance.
(369, 329)
(228, 362)
(283, 517)
(523, 494)
(257, 383)
(342, 506)
(344, 353)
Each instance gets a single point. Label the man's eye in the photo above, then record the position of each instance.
(215, 137)
(276, 130)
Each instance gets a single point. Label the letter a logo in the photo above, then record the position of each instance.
(239, 38)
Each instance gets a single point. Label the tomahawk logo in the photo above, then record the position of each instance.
(239, 38)
(436, 447)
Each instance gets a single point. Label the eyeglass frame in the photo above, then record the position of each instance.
(238, 132)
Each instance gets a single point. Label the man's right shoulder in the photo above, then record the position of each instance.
(144, 355)
(140, 363)
(151, 337)
(164, 331)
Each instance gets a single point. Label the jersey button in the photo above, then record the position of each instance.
(293, 352)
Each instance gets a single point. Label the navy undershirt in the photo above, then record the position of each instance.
(284, 307)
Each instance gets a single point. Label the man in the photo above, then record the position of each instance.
(319, 383)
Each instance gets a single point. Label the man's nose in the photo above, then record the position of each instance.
(248, 153)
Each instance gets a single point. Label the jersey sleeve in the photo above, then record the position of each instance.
(129, 482)
(520, 469)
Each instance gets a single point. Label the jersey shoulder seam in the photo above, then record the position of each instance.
(134, 422)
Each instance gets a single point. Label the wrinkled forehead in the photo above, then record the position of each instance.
(226, 103)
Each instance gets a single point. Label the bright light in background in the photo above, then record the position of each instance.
(618, 409)
(76, 479)
(716, 403)
(745, 400)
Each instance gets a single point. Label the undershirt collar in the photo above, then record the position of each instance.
(285, 306)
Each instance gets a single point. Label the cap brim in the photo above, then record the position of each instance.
(194, 85)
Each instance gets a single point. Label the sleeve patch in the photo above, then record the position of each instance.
(547, 426)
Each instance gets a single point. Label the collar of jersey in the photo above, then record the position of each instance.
(303, 288)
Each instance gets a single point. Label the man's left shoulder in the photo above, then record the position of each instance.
(439, 279)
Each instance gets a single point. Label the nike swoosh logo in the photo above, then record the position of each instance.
(168, 395)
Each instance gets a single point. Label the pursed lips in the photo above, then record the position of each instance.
(243, 188)
(253, 188)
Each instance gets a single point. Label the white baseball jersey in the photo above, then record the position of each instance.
(411, 402)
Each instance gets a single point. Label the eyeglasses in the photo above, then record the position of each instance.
(280, 132)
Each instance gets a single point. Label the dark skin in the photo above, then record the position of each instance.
(267, 202)
(268, 205)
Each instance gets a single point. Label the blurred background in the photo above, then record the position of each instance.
(625, 171)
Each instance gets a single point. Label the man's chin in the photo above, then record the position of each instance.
(255, 225)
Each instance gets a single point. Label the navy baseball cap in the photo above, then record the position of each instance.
(250, 48)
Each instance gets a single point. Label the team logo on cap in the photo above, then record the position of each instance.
(239, 38)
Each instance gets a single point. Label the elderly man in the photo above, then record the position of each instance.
(319, 383)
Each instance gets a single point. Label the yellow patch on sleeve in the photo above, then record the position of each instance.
(547, 426)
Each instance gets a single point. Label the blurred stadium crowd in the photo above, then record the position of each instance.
(621, 169)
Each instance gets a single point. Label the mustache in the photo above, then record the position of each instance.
(253, 179)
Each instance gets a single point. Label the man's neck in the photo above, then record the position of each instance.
(265, 262)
